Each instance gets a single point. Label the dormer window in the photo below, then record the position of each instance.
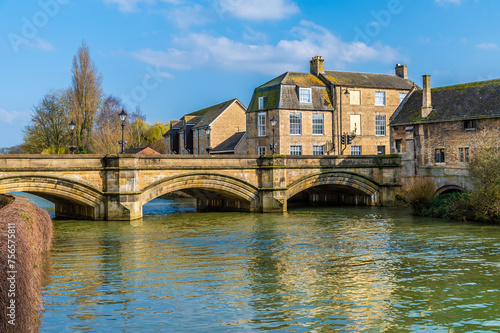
(470, 125)
(305, 95)
(262, 103)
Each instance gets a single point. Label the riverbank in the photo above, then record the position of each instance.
(25, 234)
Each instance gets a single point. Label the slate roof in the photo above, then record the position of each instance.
(206, 116)
(230, 144)
(367, 80)
(281, 92)
(476, 100)
(175, 125)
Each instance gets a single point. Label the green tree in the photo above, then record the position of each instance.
(485, 173)
(86, 95)
(48, 130)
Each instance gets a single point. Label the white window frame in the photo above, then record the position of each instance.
(305, 95)
(380, 98)
(262, 102)
(319, 150)
(261, 124)
(296, 150)
(295, 127)
(261, 150)
(318, 124)
(380, 125)
(356, 150)
(402, 96)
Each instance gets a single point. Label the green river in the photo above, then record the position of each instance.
(311, 270)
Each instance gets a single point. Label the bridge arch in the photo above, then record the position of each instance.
(71, 198)
(449, 189)
(212, 191)
(351, 187)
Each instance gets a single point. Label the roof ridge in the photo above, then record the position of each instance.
(468, 83)
(392, 75)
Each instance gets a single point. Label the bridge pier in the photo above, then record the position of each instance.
(272, 184)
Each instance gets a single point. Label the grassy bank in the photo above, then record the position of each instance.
(25, 233)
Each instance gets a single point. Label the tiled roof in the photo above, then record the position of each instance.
(368, 80)
(475, 100)
(230, 144)
(175, 125)
(142, 151)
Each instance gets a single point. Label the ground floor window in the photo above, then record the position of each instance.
(318, 150)
(261, 150)
(295, 150)
(464, 154)
(381, 150)
(355, 150)
(398, 145)
(439, 155)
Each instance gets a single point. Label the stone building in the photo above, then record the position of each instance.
(439, 129)
(201, 131)
(313, 110)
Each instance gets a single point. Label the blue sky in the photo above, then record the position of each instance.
(172, 57)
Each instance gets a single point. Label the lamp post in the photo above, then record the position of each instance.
(274, 122)
(208, 148)
(123, 117)
(340, 118)
(72, 148)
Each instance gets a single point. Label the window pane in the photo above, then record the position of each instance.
(355, 150)
(317, 123)
(305, 95)
(355, 123)
(318, 150)
(262, 150)
(261, 124)
(380, 98)
(296, 123)
(295, 150)
(262, 102)
(402, 97)
(380, 125)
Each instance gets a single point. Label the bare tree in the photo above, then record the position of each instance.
(86, 95)
(107, 127)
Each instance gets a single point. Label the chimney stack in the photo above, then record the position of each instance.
(426, 96)
(402, 71)
(317, 65)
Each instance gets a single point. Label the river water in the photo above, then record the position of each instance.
(311, 270)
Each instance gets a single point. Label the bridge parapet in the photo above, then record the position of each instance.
(114, 187)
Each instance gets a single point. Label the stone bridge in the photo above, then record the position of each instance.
(115, 187)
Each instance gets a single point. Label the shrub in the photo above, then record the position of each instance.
(418, 192)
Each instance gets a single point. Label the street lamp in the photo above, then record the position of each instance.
(274, 122)
(207, 131)
(123, 116)
(72, 148)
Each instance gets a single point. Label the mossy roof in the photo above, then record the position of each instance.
(476, 100)
(368, 80)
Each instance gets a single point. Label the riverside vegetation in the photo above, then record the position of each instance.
(25, 235)
(482, 204)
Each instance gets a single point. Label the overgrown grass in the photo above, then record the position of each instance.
(32, 228)
(418, 192)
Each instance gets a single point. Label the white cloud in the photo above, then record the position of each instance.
(446, 2)
(207, 51)
(487, 46)
(258, 10)
(10, 116)
(185, 17)
(41, 44)
(129, 6)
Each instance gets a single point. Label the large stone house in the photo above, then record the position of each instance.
(204, 130)
(314, 110)
(437, 130)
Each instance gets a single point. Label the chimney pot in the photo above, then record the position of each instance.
(426, 96)
(317, 65)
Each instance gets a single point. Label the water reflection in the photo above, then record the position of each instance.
(322, 270)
